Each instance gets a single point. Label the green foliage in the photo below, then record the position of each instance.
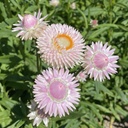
(18, 62)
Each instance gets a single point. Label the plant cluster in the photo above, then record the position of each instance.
(63, 64)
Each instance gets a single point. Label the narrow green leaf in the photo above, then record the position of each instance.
(121, 111)
(2, 8)
(2, 76)
(94, 11)
(121, 94)
(115, 113)
(8, 103)
(15, 4)
(94, 109)
(101, 87)
(102, 108)
(5, 59)
(97, 32)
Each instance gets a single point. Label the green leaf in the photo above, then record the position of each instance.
(2, 25)
(5, 33)
(94, 109)
(31, 8)
(30, 61)
(121, 111)
(17, 124)
(5, 59)
(2, 8)
(2, 76)
(15, 4)
(121, 94)
(4, 118)
(114, 113)
(101, 87)
(94, 11)
(10, 21)
(28, 126)
(102, 108)
(124, 62)
(8, 103)
(97, 32)
(107, 25)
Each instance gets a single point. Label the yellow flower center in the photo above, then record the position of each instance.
(63, 41)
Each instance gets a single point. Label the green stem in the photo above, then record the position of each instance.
(85, 19)
(38, 60)
(37, 2)
(111, 122)
(8, 8)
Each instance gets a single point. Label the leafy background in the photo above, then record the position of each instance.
(100, 102)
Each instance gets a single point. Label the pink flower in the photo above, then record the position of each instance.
(61, 46)
(55, 92)
(37, 114)
(30, 26)
(94, 23)
(99, 61)
(82, 75)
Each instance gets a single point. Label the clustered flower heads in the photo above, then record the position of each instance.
(56, 90)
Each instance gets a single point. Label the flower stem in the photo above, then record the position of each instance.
(111, 122)
(8, 8)
(38, 60)
(85, 19)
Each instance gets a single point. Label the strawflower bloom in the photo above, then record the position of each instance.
(73, 5)
(30, 26)
(54, 3)
(99, 61)
(55, 92)
(61, 46)
(94, 23)
(82, 75)
(37, 114)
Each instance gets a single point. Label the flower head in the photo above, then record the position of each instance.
(55, 92)
(54, 2)
(99, 61)
(94, 23)
(61, 46)
(82, 75)
(37, 114)
(30, 26)
(73, 5)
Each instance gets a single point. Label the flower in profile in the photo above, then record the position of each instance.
(54, 2)
(61, 46)
(37, 114)
(73, 5)
(99, 61)
(55, 92)
(94, 23)
(82, 75)
(30, 26)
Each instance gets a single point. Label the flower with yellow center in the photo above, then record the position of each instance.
(61, 46)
